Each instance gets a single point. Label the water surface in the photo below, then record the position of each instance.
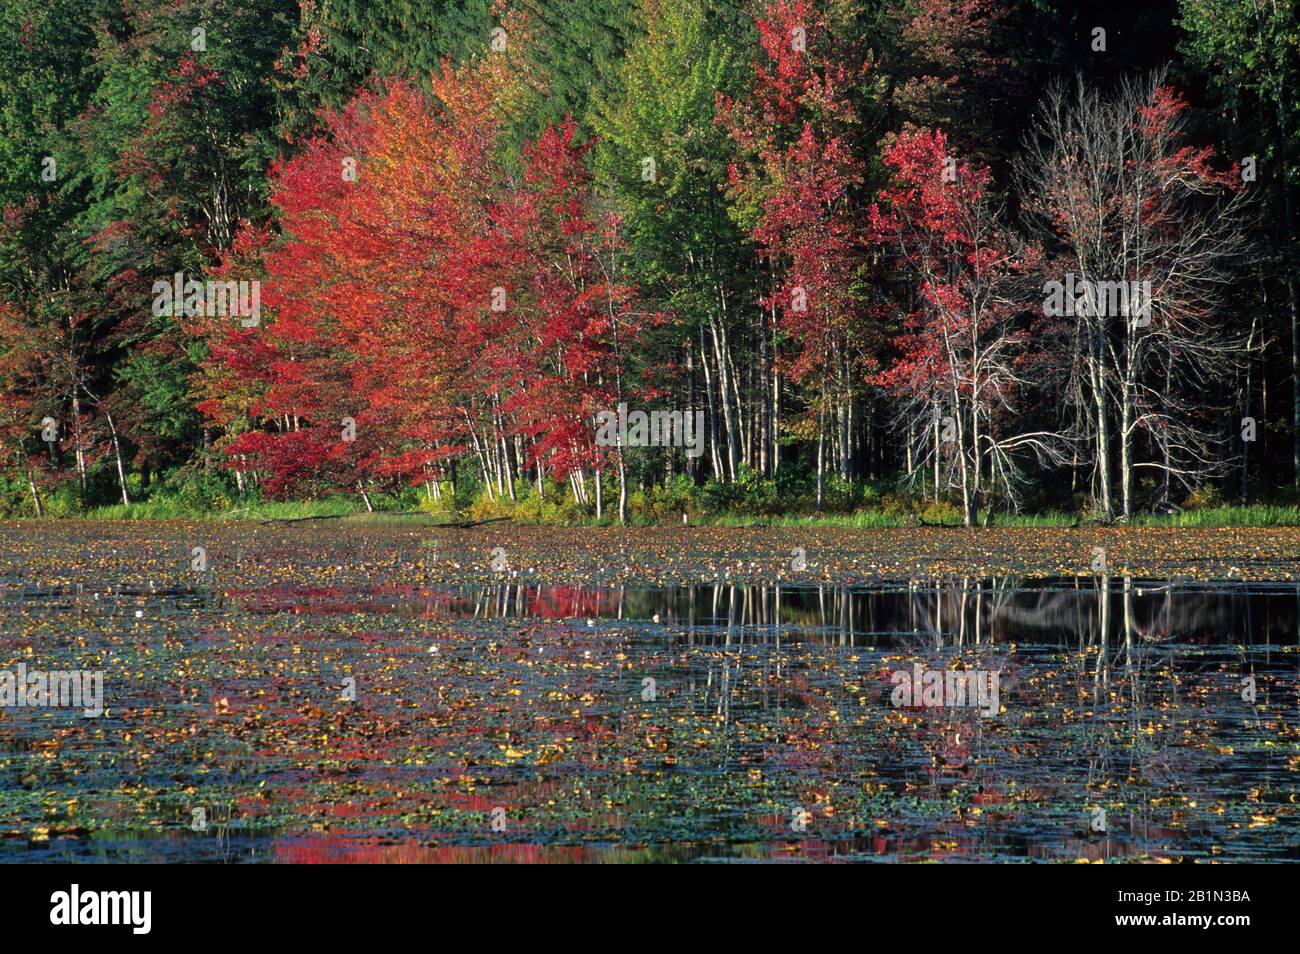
(346, 717)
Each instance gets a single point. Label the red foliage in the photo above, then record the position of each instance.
(500, 299)
(799, 176)
(959, 344)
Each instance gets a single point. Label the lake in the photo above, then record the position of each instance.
(319, 692)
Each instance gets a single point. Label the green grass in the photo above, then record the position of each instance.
(172, 508)
(168, 508)
(1253, 515)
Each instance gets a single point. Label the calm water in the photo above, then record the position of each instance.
(623, 723)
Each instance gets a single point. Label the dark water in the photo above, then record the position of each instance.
(1056, 611)
(1172, 707)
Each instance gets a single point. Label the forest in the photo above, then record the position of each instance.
(955, 261)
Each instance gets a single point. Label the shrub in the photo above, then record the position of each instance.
(892, 505)
(942, 512)
(1204, 497)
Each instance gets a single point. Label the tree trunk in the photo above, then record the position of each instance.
(36, 494)
(622, 488)
(724, 393)
(821, 450)
(76, 436)
(937, 447)
(117, 453)
(1103, 434)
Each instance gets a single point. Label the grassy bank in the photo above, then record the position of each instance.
(1256, 515)
(750, 501)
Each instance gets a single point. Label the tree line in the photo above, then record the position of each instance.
(1005, 256)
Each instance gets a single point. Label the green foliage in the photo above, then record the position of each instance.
(1249, 53)
(687, 252)
(577, 47)
(665, 505)
(46, 76)
(1204, 497)
(749, 493)
(941, 511)
(554, 509)
(397, 37)
(163, 151)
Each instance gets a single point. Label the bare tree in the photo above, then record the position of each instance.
(1146, 237)
(965, 368)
